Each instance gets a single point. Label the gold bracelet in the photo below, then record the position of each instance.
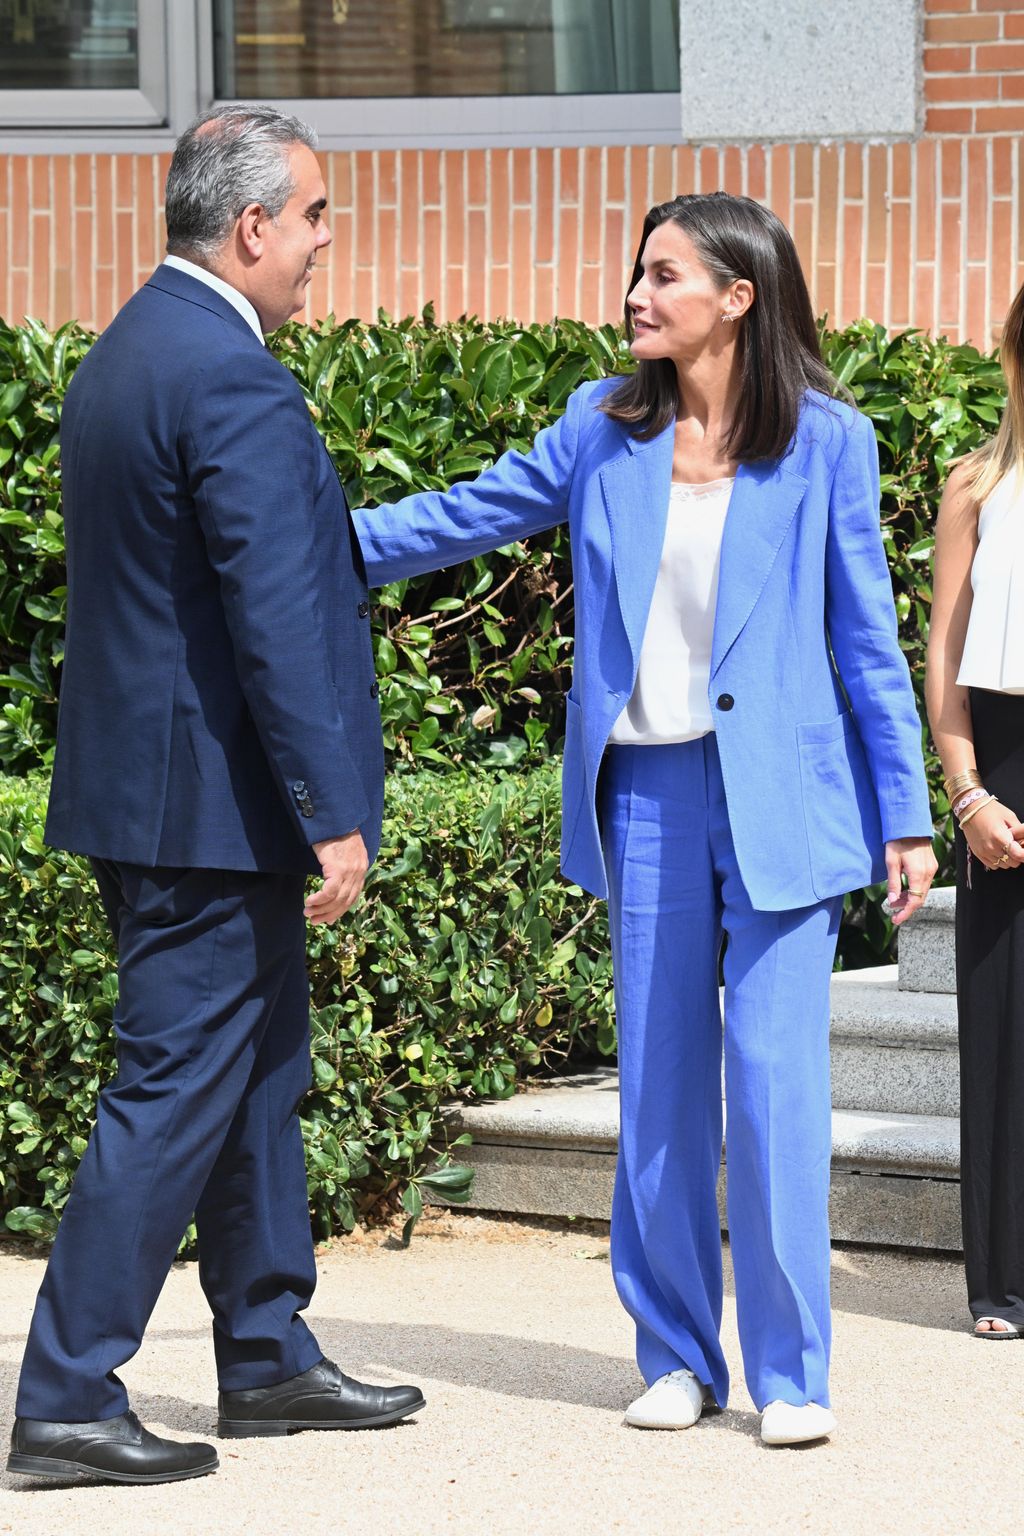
(975, 809)
(969, 779)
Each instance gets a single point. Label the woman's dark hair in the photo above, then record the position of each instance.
(780, 357)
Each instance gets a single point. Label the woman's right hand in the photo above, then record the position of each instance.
(994, 832)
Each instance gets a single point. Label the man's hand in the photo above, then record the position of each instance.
(913, 857)
(344, 864)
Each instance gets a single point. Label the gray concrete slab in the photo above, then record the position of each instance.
(927, 948)
(526, 1361)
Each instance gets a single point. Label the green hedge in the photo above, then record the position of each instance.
(468, 961)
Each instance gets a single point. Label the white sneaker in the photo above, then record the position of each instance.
(795, 1423)
(674, 1401)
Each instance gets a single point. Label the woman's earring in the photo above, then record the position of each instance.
(730, 319)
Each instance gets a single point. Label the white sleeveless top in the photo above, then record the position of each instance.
(994, 647)
(670, 697)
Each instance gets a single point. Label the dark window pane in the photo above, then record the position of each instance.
(351, 48)
(74, 45)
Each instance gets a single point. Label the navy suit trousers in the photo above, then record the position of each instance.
(212, 1028)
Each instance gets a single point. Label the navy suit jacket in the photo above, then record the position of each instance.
(217, 704)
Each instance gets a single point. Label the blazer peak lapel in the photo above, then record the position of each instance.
(636, 491)
(762, 506)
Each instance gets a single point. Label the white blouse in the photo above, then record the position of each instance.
(670, 697)
(994, 647)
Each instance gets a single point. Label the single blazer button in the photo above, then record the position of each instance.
(299, 788)
(364, 609)
(374, 690)
(726, 701)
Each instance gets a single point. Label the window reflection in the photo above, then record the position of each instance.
(69, 45)
(351, 48)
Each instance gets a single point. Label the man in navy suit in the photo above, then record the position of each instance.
(219, 740)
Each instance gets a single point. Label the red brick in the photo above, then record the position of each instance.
(476, 178)
(5, 181)
(617, 265)
(1002, 167)
(365, 202)
(961, 29)
(874, 303)
(684, 169)
(1002, 239)
(477, 258)
(922, 314)
(661, 173)
(639, 192)
(544, 305)
(828, 202)
(824, 292)
(500, 292)
(387, 179)
(781, 183)
(1000, 119)
(949, 268)
(409, 291)
(432, 257)
(978, 199)
(853, 170)
(615, 174)
(386, 262)
(1013, 24)
(941, 7)
(39, 182)
(901, 170)
(501, 184)
(19, 205)
(732, 172)
(962, 88)
(569, 174)
(62, 213)
(975, 323)
(590, 196)
(340, 179)
(803, 180)
(590, 297)
(544, 207)
(801, 227)
(853, 262)
(711, 179)
(947, 61)
(522, 258)
(877, 207)
(19, 301)
(926, 153)
(431, 163)
(1003, 56)
(455, 305)
(756, 172)
(568, 249)
(1012, 87)
(949, 120)
(410, 202)
(899, 266)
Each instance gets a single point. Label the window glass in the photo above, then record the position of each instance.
(350, 48)
(69, 45)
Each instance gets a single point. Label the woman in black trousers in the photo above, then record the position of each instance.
(975, 692)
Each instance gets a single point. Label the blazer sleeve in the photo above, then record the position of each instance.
(861, 620)
(519, 495)
(251, 461)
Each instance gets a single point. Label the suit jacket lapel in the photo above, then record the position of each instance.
(762, 506)
(636, 491)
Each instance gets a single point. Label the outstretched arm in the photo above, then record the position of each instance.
(521, 494)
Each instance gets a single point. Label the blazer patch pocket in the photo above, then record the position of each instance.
(844, 831)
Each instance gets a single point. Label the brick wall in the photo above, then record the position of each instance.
(927, 233)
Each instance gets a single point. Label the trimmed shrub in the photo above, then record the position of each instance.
(468, 961)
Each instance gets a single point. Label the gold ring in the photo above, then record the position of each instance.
(912, 892)
(1002, 863)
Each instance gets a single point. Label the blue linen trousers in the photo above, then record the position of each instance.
(675, 892)
(212, 1028)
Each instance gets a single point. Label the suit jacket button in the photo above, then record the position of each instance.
(374, 690)
(364, 609)
(725, 701)
(306, 808)
(299, 788)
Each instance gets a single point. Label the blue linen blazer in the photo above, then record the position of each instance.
(217, 702)
(811, 698)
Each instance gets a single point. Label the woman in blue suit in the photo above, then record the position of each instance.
(742, 748)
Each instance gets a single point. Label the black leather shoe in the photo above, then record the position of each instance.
(321, 1398)
(118, 1450)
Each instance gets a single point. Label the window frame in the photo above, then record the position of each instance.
(146, 106)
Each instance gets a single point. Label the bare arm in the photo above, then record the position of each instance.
(992, 831)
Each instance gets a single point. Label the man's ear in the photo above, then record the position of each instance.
(250, 229)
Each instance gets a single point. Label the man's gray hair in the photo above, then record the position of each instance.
(228, 158)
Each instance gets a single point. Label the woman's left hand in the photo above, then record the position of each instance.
(913, 857)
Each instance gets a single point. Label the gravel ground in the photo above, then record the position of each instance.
(514, 1333)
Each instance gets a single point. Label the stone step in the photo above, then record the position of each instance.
(550, 1151)
(893, 1051)
(927, 956)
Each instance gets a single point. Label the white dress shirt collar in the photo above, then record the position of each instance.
(234, 298)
